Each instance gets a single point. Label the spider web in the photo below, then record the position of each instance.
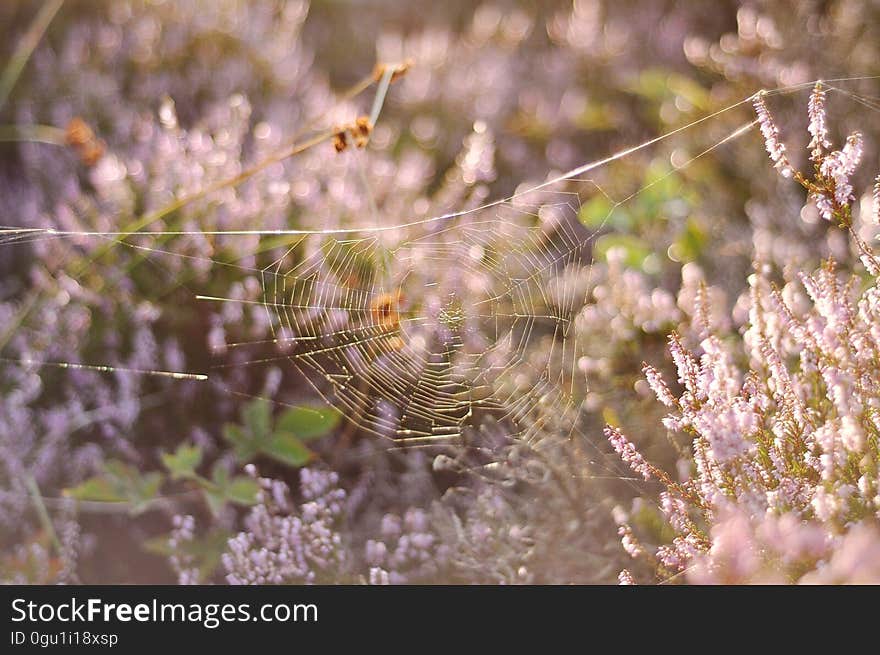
(418, 332)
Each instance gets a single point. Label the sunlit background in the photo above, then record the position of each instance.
(393, 397)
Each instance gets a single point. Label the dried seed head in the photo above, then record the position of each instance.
(398, 70)
(363, 126)
(78, 133)
(361, 131)
(82, 139)
(340, 141)
(91, 152)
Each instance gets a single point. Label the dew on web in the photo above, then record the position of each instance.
(418, 340)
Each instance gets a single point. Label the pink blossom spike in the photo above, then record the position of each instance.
(627, 452)
(818, 127)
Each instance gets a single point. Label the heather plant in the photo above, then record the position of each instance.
(285, 546)
(778, 481)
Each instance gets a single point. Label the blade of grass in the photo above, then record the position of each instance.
(36, 133)
(43, 514)
(26, 47)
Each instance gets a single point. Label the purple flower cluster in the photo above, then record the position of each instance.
(408, 550)
(283, 546)
(183, 563)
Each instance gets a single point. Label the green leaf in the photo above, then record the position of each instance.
(96, 489)
(308, 423)
(257, 418)
(219, 474)
(221, 489)
(215, 500)
(184, 461)
(246, 448)
(119, 483)
(243, 490)
(145, 490)
(286, 448)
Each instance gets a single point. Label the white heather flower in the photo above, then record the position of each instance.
(824, 505)
(852, 436)
(727, 429)
(658, 385)
(824, 205)
(840, 165)
(379, 576)
(719, 378)
(629, 542)
(688, 371)
(853, 151)
(675, 510)
(818, 127)
(770, 132)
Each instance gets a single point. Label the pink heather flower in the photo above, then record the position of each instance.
(733, 556)
(658, 385)
(852, 152)
(770, 132)
(625, 578)
(688, 371)
(824, 205)
(818, 127)
(728, 429)
(855, 559)
(825, 505)
(668, 556)
(792, 538)
(627, 452)
(852, 436)
(675, 510)
(629, 542)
